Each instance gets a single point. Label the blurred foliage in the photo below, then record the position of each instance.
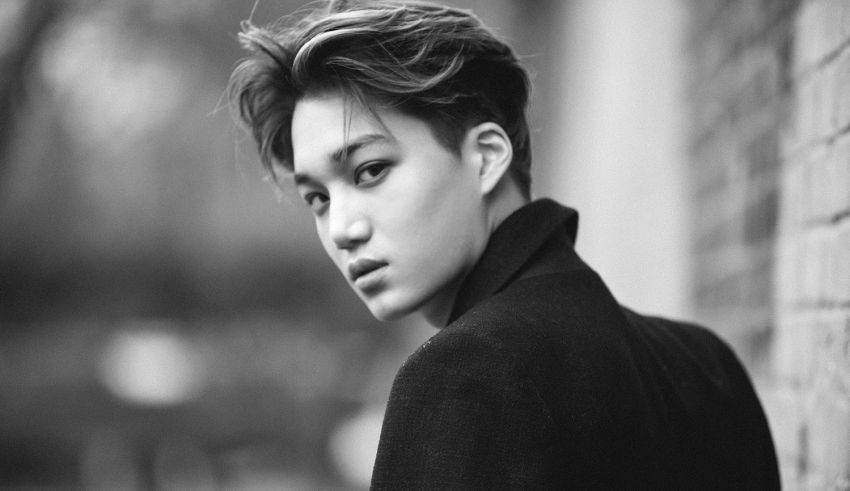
(140, 245)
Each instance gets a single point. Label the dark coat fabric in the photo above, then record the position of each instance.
(542, 380)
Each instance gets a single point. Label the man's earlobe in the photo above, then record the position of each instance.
(493, 151)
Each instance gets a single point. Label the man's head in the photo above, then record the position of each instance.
(403, 126)
(435, 63)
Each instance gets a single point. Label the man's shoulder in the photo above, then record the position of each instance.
(605, 379)
(577, 308)
(547, 299)
(682, 346)
(557, 325)
(557, 333)
(520, 321)
(540, 313)
(502, 337)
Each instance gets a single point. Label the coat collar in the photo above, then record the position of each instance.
(518, 246)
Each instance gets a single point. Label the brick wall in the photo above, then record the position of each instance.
(769, 146)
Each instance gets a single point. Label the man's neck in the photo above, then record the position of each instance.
(504, 201)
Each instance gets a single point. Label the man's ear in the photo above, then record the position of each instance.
(490, 149)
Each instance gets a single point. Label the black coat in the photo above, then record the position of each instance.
(543, 381)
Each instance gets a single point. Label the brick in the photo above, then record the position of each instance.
(837, 322)
(793, 347)
(790, 131)
(826, 263)
(822, 100)
(843, 350)
(799, 262)
(820, 30)
(793, 192)
(835, 192)
(813, 186)
(813, 201)
(829, 428)
(837, 31)
(813, 271)
(826, 343)
(842, 90)
(788, 272)
(831, 266)
(809, 44)
(826, 406)
(842, 17)
(841, 156)
(842, 264)
(831, 82)
(808, 113)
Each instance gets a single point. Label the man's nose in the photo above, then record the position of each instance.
(348, 226)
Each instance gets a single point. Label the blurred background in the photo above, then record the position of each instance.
(169, 321)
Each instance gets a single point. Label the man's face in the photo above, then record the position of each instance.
(401, 216)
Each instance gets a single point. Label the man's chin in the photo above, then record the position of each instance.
(384, 310)
(385, 315)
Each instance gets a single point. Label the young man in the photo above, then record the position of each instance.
(403, 127)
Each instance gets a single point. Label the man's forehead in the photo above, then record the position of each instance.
(325, 131)
(334, 120)
(339, 111)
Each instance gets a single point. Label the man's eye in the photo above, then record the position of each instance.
(316, 201)
(371, 172)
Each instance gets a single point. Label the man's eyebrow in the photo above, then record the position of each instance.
(339, 155)
(352, 146)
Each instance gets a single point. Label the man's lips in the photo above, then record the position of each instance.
(362, 267)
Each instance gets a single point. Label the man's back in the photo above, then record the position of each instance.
(546, 382)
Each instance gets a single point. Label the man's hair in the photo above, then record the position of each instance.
(439, 64)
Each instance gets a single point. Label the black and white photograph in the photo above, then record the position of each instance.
(354, 245)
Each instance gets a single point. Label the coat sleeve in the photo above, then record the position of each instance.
(463, 415)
